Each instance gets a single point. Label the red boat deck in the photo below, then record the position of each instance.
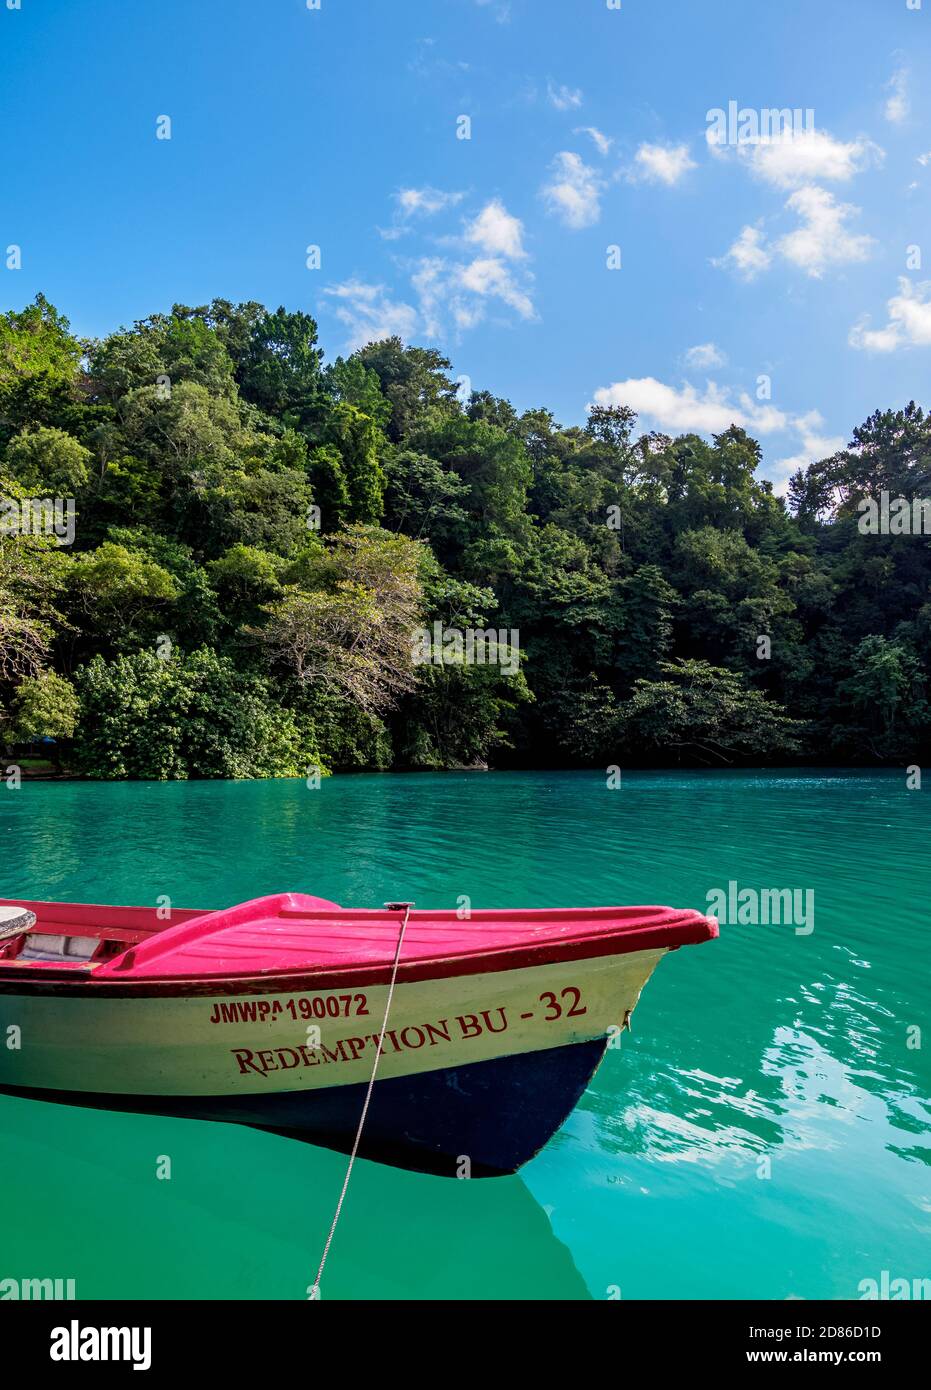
(291, 933)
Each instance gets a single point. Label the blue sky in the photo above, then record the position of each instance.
(786, 258)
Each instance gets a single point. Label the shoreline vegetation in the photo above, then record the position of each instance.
(222, 556)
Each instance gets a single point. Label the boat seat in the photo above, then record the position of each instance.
(44, 946)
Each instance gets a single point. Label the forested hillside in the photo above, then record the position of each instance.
(259, 534)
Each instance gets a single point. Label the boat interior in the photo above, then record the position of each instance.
(289, 932)
(75, 936)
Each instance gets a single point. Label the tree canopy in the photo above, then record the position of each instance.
(262, 537)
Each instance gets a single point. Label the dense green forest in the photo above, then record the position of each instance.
(258, 536)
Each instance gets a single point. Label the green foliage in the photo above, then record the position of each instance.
(244, 578)
(707, 714)
(174, 347)
(413, 381)
(351, 381)
(345, 624)
(293, 524)
(495, 469)
(270, 510)
(119, 592)
(48, 462)
(330, 485)
(280, 369)
(39, 363)
(459, 713)
(886, 688)
(424, 498)
(43, 706)
(189, 716)
(359, 442)
(354, 739)
(649, 603)
(33, 573)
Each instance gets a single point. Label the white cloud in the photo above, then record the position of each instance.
(496, 231)
(426, 201)
(685, 409)
(429, 282)
(489, 276)
(453, 291)
(369, 314)
(602, 142)
(924, 159)
(897, 103)
(792, 157)
(563, 98)
(448, 294)
(909, 321)
(704, 356)
(463, 290)
(663, 163)
(748, 254)
(822, 239)
(868, 339)
(911, 308)
(411, 203)
(573, 193)
(815, 445)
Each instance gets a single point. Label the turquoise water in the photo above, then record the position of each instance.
(763, 1132)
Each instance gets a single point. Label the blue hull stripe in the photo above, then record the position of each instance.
(498, 1114)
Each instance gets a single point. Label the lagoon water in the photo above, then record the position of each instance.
(763, 1132)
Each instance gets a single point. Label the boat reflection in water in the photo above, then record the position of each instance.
(212, 1211)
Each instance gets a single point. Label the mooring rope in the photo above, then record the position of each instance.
(315, 1290)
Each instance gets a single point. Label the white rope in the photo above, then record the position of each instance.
(315, 1290)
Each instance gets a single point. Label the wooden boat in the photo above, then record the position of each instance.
(271, 1013)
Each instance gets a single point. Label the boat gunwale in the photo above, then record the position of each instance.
(687, 928)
